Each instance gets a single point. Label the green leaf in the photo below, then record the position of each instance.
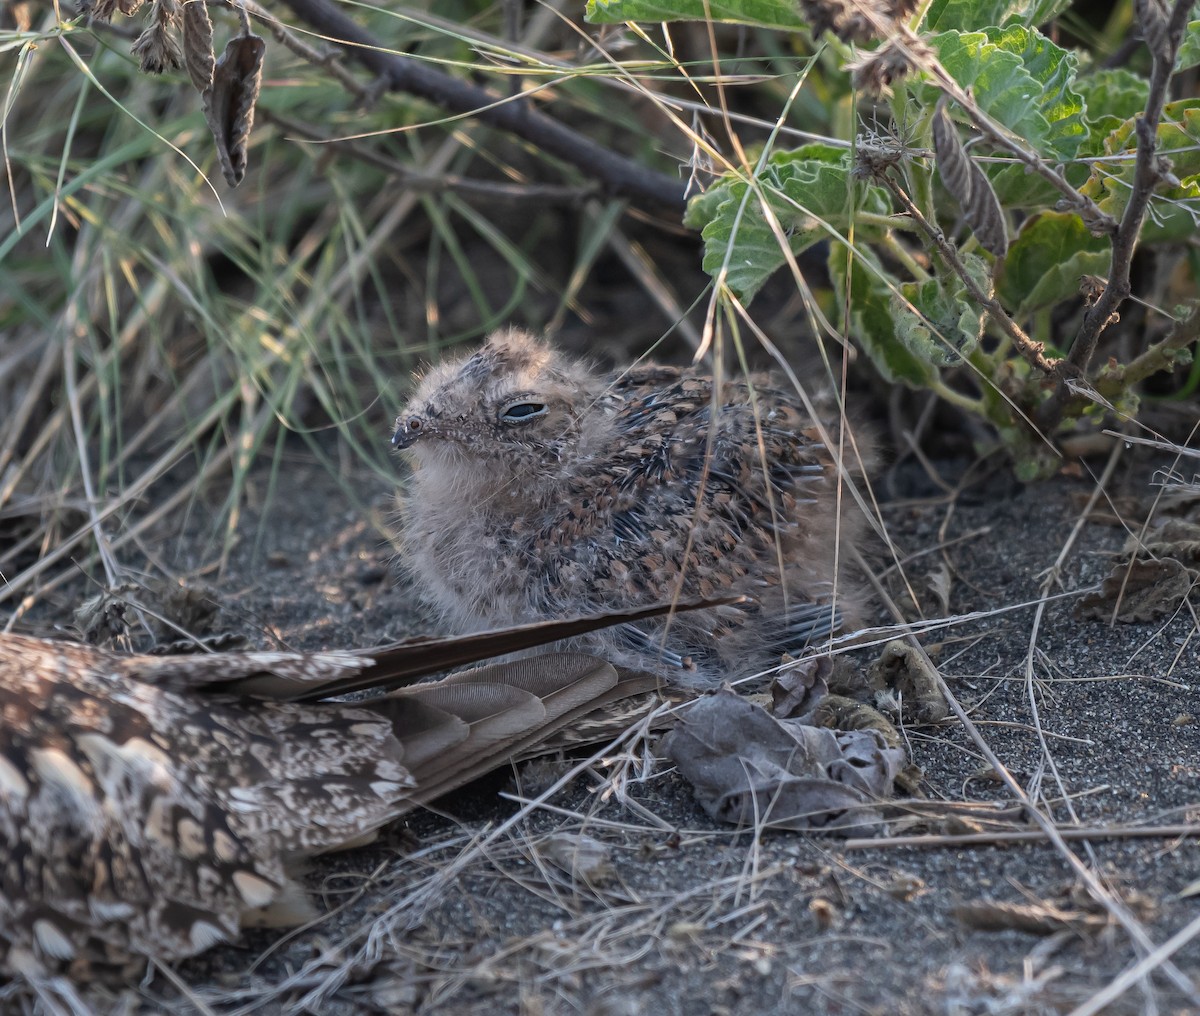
(872, 321)
(1022, 79)
(766, 13)
(810, 191)
(1174, 211)
(1017, 187)
(1111, 95)
(937, 326)
(1046, 260)
(1189, 49)
(966, 15)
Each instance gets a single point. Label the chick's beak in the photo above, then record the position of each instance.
(408, 430)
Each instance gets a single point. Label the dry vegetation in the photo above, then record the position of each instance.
(197, 381)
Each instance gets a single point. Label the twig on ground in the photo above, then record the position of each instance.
(936, 841)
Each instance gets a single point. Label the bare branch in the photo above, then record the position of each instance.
(1149, 171)
(1034, 352)
(433, 183)
(620, 176)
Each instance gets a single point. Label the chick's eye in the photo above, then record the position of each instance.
(519, 412)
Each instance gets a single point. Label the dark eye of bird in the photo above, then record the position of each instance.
(519, 412)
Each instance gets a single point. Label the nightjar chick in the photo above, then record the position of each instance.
(541, 488)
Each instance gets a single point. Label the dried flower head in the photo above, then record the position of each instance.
(103, 10)
(157, 48)
(875, 72)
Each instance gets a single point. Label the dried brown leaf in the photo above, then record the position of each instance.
(902, 668)
(1176, 538)
(1033, 918)
(1154, 20)
(151, 616)
(876, 71)
(103, 10)
(799, 688)
(850, 20)
(1140, 591)
(969, 185)
(198, 54)
(582, 857)
(229, 102)
(157, 48)
(746, 767)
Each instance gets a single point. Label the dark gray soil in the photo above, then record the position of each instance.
(459, 913)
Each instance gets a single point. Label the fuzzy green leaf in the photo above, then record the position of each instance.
(872, 322)
(765, 13)
(1111, 95)
(966, 15)
(1046, 260)
(1174, 211)
(810, 191)
(1189, 50)
(936, 326)
(1022, 79)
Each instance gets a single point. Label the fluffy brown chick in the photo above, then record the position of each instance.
(541, 488)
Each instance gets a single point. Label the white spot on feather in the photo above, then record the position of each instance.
(52, 940)
(257, 892)
(109, 910)
(137, 757)
(206, 934)
(54, 768)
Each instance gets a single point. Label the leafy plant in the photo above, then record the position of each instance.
(1030, 174)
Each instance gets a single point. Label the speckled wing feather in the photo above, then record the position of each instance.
(153, 806)
(137, 819)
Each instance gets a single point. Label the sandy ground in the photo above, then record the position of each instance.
(461, 912)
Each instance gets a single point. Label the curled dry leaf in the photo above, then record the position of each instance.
(1033, 918)
(902, 669)
(752, 769)
(198, 55)
(150, 616)
(1176, 538)
(1138, 591)
(852, 20)
(968, 184)
(582, 857)
(156, 48)
(229, 102)
(103, 10)
(875, 72)
(797, 690)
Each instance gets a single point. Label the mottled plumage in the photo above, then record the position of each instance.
(141, 817)
(541, 489)
(155, 805)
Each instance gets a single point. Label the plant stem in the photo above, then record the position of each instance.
(1148, 172)
(1033, 352)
